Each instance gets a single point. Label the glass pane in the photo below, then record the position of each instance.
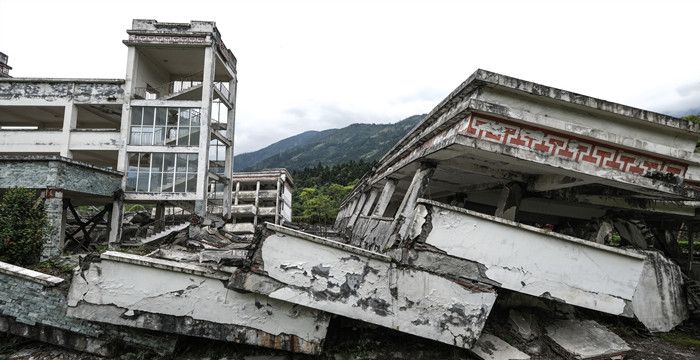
(136, 115)
(148, 115)
(144, 162)
(159, 135)
(181, 163)
(183, 136)
(180, 182)
(157, 162)
(194, 136)
(155, 182)
(194, 116)
(192, 163)
(135, 138)
(169, 162)
(142, 183)
(171, 137)
(185, 117)
(172, 116)
(147, 136)
(192, 183)
(167, 183)
(161, 115)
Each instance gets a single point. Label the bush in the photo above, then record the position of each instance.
(22, 227)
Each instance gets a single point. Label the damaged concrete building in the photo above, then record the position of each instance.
(165, 130)
(260, 196)
(511, 205)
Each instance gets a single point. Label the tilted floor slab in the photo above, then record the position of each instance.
(533, 261)
(162, 295)
(359, 284)
(585, 339)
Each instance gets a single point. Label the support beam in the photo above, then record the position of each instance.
(404, 214)
(509, 201)
(385, 197)
(277, 203)
(368, 204)
(549, 182)
(356, 212)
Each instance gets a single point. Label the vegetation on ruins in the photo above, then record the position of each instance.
(22, 227)
(321, 189)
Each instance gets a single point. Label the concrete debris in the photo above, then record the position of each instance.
(523, 324)
(491, 347)
(585, 339)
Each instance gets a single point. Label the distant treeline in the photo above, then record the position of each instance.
(321, 189)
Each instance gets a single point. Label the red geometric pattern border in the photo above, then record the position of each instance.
(567, 147)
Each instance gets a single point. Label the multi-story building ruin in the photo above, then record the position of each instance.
(4, 67)
(259, 197)
(165, 130)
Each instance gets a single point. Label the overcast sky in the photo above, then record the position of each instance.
(314, 65)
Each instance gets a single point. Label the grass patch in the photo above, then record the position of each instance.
(682, 340)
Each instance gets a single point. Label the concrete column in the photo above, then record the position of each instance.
(230, 132)
(257, 197)
(404, 214)
(54, 238)
(385, 197)
(115, 223)
(691, 239)
(205, 135)
(277, 203)
(509, 201)
(357, 211)
(160, 216)
(370, 201)
(70, 119)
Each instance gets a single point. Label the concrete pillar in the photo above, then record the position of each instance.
(356, 212)
(230, 132)
(70, 119)
(204, 134)
(277, 203)
(257, 197)
(370, 201)
(404, 214)
(509, 201)
(691, 239)
(385, 197)
(115, 223)
(54, 238)
(160, 217)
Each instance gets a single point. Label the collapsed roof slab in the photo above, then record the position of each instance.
(192, 300)
(531, 260)
(341, 279)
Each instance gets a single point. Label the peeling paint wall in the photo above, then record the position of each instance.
(58, 90)
(160, 295)
(533, 261)
(367, 286)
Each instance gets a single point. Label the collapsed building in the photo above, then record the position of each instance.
(508, 196)
(260, 196)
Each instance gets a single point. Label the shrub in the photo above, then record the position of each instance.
(22, 227)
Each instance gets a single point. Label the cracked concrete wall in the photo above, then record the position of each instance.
(355, 283)
(32, 307)
(172, 300)
(62, 90)
(533, 261)
(58, 173)
(659, 301)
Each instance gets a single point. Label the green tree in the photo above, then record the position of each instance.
(22, 227)
(693, 118)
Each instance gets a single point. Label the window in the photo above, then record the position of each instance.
(164, 126)
(162, 172)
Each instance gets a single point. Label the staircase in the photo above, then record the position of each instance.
(140, 241)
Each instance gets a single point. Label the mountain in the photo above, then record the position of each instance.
(366, 142)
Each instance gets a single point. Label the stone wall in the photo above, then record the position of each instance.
(33, 305)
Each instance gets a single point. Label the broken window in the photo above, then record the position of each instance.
(164, 126)
(162, 172)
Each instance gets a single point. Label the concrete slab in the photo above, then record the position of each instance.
(161, 295)
(585, 339)
(533, 261)
(659, 301)
(359, 284)
(491, 347)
